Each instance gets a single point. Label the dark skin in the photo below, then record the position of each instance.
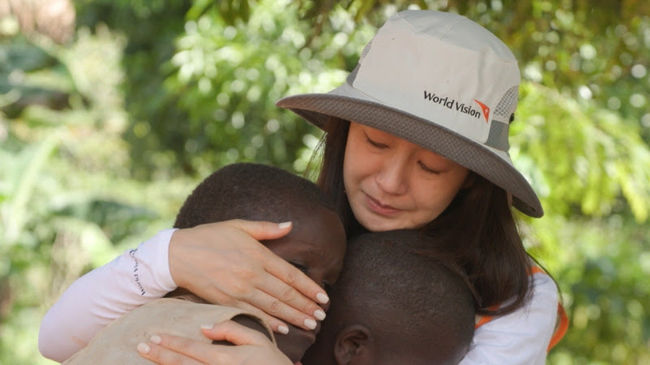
(359, 344)
(387, 310)
(316, 245)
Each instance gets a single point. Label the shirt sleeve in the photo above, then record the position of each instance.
(134, 278)
(521, 337)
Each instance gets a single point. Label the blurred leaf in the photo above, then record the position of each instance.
(24, 179)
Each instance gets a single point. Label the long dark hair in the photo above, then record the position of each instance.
(478, 224)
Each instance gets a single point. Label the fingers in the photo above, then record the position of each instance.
(261, 230)
(305, 291)
(169, 349)
(235, 333)
(275, 324)
(252, 348)
(162, 355)
(276, 308)
(285, 302)
(270, 309)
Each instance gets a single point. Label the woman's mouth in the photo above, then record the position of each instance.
(377, 207)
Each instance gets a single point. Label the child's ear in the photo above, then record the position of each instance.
(351, 345)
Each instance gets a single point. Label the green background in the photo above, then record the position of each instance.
(112, 110)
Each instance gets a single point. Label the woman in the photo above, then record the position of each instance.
(416, 138)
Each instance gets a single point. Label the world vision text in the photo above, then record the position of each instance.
(452, 104)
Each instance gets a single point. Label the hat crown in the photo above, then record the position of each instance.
(455, 29)
(444, 68)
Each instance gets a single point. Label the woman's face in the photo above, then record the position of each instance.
(394, 184)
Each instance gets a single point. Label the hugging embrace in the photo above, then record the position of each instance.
(415, 164)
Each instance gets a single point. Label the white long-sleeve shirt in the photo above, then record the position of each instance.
(138, 276)
(102, 295)
(521, 337)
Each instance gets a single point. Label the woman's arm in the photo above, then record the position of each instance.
(521, 337)
(220, 262)
(104, 294)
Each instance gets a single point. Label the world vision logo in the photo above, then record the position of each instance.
(485, 109)
(453, 104)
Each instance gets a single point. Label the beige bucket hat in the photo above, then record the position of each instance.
(438, 80)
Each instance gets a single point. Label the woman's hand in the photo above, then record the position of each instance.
(251, 348)
(225, 263)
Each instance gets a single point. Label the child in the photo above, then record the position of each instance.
(397, 301)
(316, 245)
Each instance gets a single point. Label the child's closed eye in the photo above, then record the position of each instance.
(305, 270)
(300, 267)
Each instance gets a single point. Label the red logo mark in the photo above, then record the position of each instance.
(485, 109)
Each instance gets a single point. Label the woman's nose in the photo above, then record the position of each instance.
(392, 176)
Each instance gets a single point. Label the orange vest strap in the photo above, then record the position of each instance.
(536, 270)
(481, 320)
(561, 326)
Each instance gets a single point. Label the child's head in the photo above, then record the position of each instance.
(316, 243)
(397, 301)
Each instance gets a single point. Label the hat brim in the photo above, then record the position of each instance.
(347, 103)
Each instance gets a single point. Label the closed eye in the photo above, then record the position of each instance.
(427, 168)
(375, 143)
(300, 267)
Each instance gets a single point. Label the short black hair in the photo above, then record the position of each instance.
(397, 283)
(249, 191)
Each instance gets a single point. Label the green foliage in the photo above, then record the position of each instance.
(216, 103)
(67, 203)
(594, 236)
(602, 158)
(102, 138)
